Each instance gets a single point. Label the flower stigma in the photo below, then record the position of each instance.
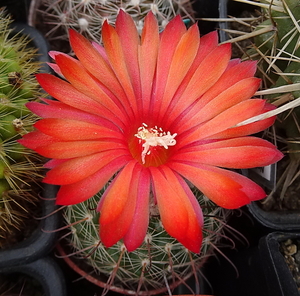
(153, 137)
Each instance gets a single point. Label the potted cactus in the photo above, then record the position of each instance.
(274, 36)
(26, 220)
(130, 144)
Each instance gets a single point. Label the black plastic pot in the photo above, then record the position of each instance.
(43, 239)
(278, 276)
(45, 271)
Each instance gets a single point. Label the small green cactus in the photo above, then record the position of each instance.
(161, 261)
(88, 16)
(17, 169)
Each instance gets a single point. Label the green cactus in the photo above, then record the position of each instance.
(17, 170)
(276, 47)
(88, 16)
(160, 261)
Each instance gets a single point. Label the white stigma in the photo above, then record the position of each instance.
(154, 137)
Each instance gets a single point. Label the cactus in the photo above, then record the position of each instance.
(275, 45)
(88, 16)
(17, 169)
(159, 262)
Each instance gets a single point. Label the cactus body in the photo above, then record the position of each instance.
(88, 16)
(17, 86)
(159, 262)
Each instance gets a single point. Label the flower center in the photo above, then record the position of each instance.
(152, 137)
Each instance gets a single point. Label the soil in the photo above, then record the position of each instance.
(290, 249)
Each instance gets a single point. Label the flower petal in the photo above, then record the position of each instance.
(71, 130)
(208, 72)
(55, 109)
(223, 121)
(66, 93)
(77, 169)
(76, 74)
(138, 228)
(148, 51)
(177, 213)
(118, 206)
(115, 55)
(129, 39)
(235, 153)
(182, 60)
(225, 188)
(72, 149)
(82, 190)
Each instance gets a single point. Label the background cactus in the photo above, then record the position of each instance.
(275, 44)
(158, 263)
(17, 169)
(88, 16)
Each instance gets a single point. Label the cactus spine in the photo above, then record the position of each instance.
(157, 263)
(87, 17)
(17, 170)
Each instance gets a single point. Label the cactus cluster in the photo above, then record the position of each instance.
(17, 169)
(159, 262)
(87, 17)
(276, 47)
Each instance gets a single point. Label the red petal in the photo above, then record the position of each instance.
(177, 213)
(129, 38)
(148, 51)
(225, 188)
(72, 149)
(77, 169)
(138, 228)
(71, 130)
(117, 209)
(94, 62)
(223, 121)
(76, 74)
(88, 187)
(35, 139)
(115, 55)
(56, 109)
(66, 93)
(238, 153)
(182, 60)
(208, 72)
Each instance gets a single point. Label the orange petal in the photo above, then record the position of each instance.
(115, 55)
(36, 139)
(77, 169)
(233, 95)
(129, 38)
(223, 121)
(76, 74)
(170, 37)
(93, 61)
(225, 188)
(235, 153)
(88, 187)
(208, 72)
(138, 228)
(55, 109)
(66, 93)
(182, 60)
(71, 130)
(176, 211)
(118, 208)
(148, 51)
(72, 149)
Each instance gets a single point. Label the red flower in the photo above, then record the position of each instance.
(157, 110)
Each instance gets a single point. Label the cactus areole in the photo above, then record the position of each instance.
(148, 113)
